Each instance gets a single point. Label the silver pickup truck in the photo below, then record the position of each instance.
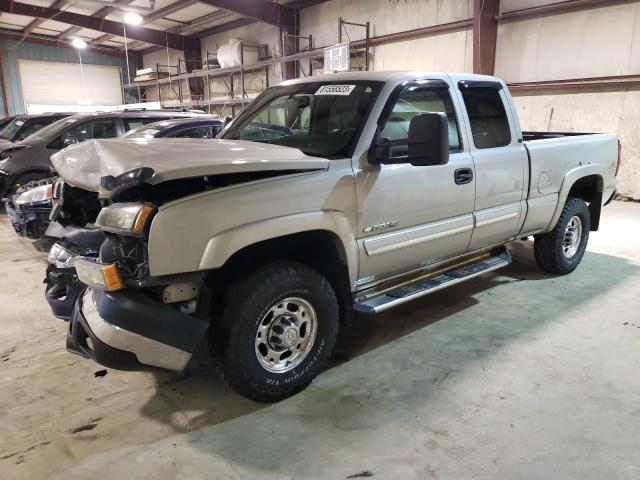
(327, 196)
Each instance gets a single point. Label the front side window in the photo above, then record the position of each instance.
(105, 128)
(33, 127)
(320, 118)
(415, 101)
(487, 116)
(80, 133)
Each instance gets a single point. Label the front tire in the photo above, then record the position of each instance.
(561, 250)
(280, 325)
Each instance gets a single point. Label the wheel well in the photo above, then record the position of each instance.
(589, 189)
(320, 249)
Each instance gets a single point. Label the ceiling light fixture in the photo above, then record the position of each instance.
(132, 18)
(78, 43)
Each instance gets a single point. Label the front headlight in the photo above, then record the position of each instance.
(125, 218)
(35, 195)
(60, 256)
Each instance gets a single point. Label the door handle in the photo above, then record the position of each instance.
(463, 175)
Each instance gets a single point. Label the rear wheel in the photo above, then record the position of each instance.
(561, 250)
(280, 325)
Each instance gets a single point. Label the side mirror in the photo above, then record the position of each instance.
(428, 140)
(427, 143)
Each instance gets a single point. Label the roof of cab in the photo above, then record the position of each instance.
(385, 76)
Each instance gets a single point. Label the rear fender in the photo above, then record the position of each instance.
(569, 181)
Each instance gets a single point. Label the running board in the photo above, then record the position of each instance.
(422, 287)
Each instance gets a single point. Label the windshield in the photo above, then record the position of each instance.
(13, 127)
(322, 119)
(49, 132)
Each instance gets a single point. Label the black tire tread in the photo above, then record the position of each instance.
(239, 305)
(548, 246)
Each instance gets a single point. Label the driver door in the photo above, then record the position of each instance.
(412, 216)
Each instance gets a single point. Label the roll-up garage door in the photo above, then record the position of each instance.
(58, 83)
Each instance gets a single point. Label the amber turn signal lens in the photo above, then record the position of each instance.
(142, 218)
(112, 280)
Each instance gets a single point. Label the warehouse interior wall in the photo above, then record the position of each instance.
(438, 52)
(12, 51)
(255, 81)
(165, 60)
(594, 42)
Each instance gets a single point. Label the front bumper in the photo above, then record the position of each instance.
(28, 221)
(62, 290)
(127, 330)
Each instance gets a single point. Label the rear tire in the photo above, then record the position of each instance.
(561, 250)
(279, 327)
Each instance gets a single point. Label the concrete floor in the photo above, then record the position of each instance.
(517, 374)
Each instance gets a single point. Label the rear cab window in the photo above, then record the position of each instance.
(487, 115)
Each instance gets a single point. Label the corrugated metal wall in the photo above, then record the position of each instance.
(11, 51)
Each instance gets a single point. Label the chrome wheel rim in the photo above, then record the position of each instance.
(286, 335)
(572, 237)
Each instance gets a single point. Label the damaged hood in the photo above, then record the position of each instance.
(84, 164)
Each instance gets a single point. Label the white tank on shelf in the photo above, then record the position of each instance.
(230, 53)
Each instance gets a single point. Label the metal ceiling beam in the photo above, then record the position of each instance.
(99, 24)
(555, 8)
(103, 12)
(168, 10)
(261, 10)
(161, 12)
(54, 42)
(38, 21)
(210, 17)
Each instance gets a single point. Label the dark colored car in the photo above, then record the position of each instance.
(30, 207)
(22, 126)
(62, 284)
(179, 128)
(28, 160)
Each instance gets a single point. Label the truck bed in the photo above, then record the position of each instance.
(529, 136)
(559, 157)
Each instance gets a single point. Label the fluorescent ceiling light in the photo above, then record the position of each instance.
(132, 18)
(78, 43)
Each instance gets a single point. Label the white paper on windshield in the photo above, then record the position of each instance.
(335, 90)
(19, 123)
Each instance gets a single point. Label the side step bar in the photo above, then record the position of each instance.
(422, 287)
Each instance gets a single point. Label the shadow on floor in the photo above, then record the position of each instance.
(201, 390)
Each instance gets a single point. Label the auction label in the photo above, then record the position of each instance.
(335, 90)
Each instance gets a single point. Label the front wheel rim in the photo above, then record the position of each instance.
(572, 237)
(286, 334)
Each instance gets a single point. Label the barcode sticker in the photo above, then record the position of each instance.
(335, 90)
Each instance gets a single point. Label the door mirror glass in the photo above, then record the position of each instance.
(427, 143)
(428, 140)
